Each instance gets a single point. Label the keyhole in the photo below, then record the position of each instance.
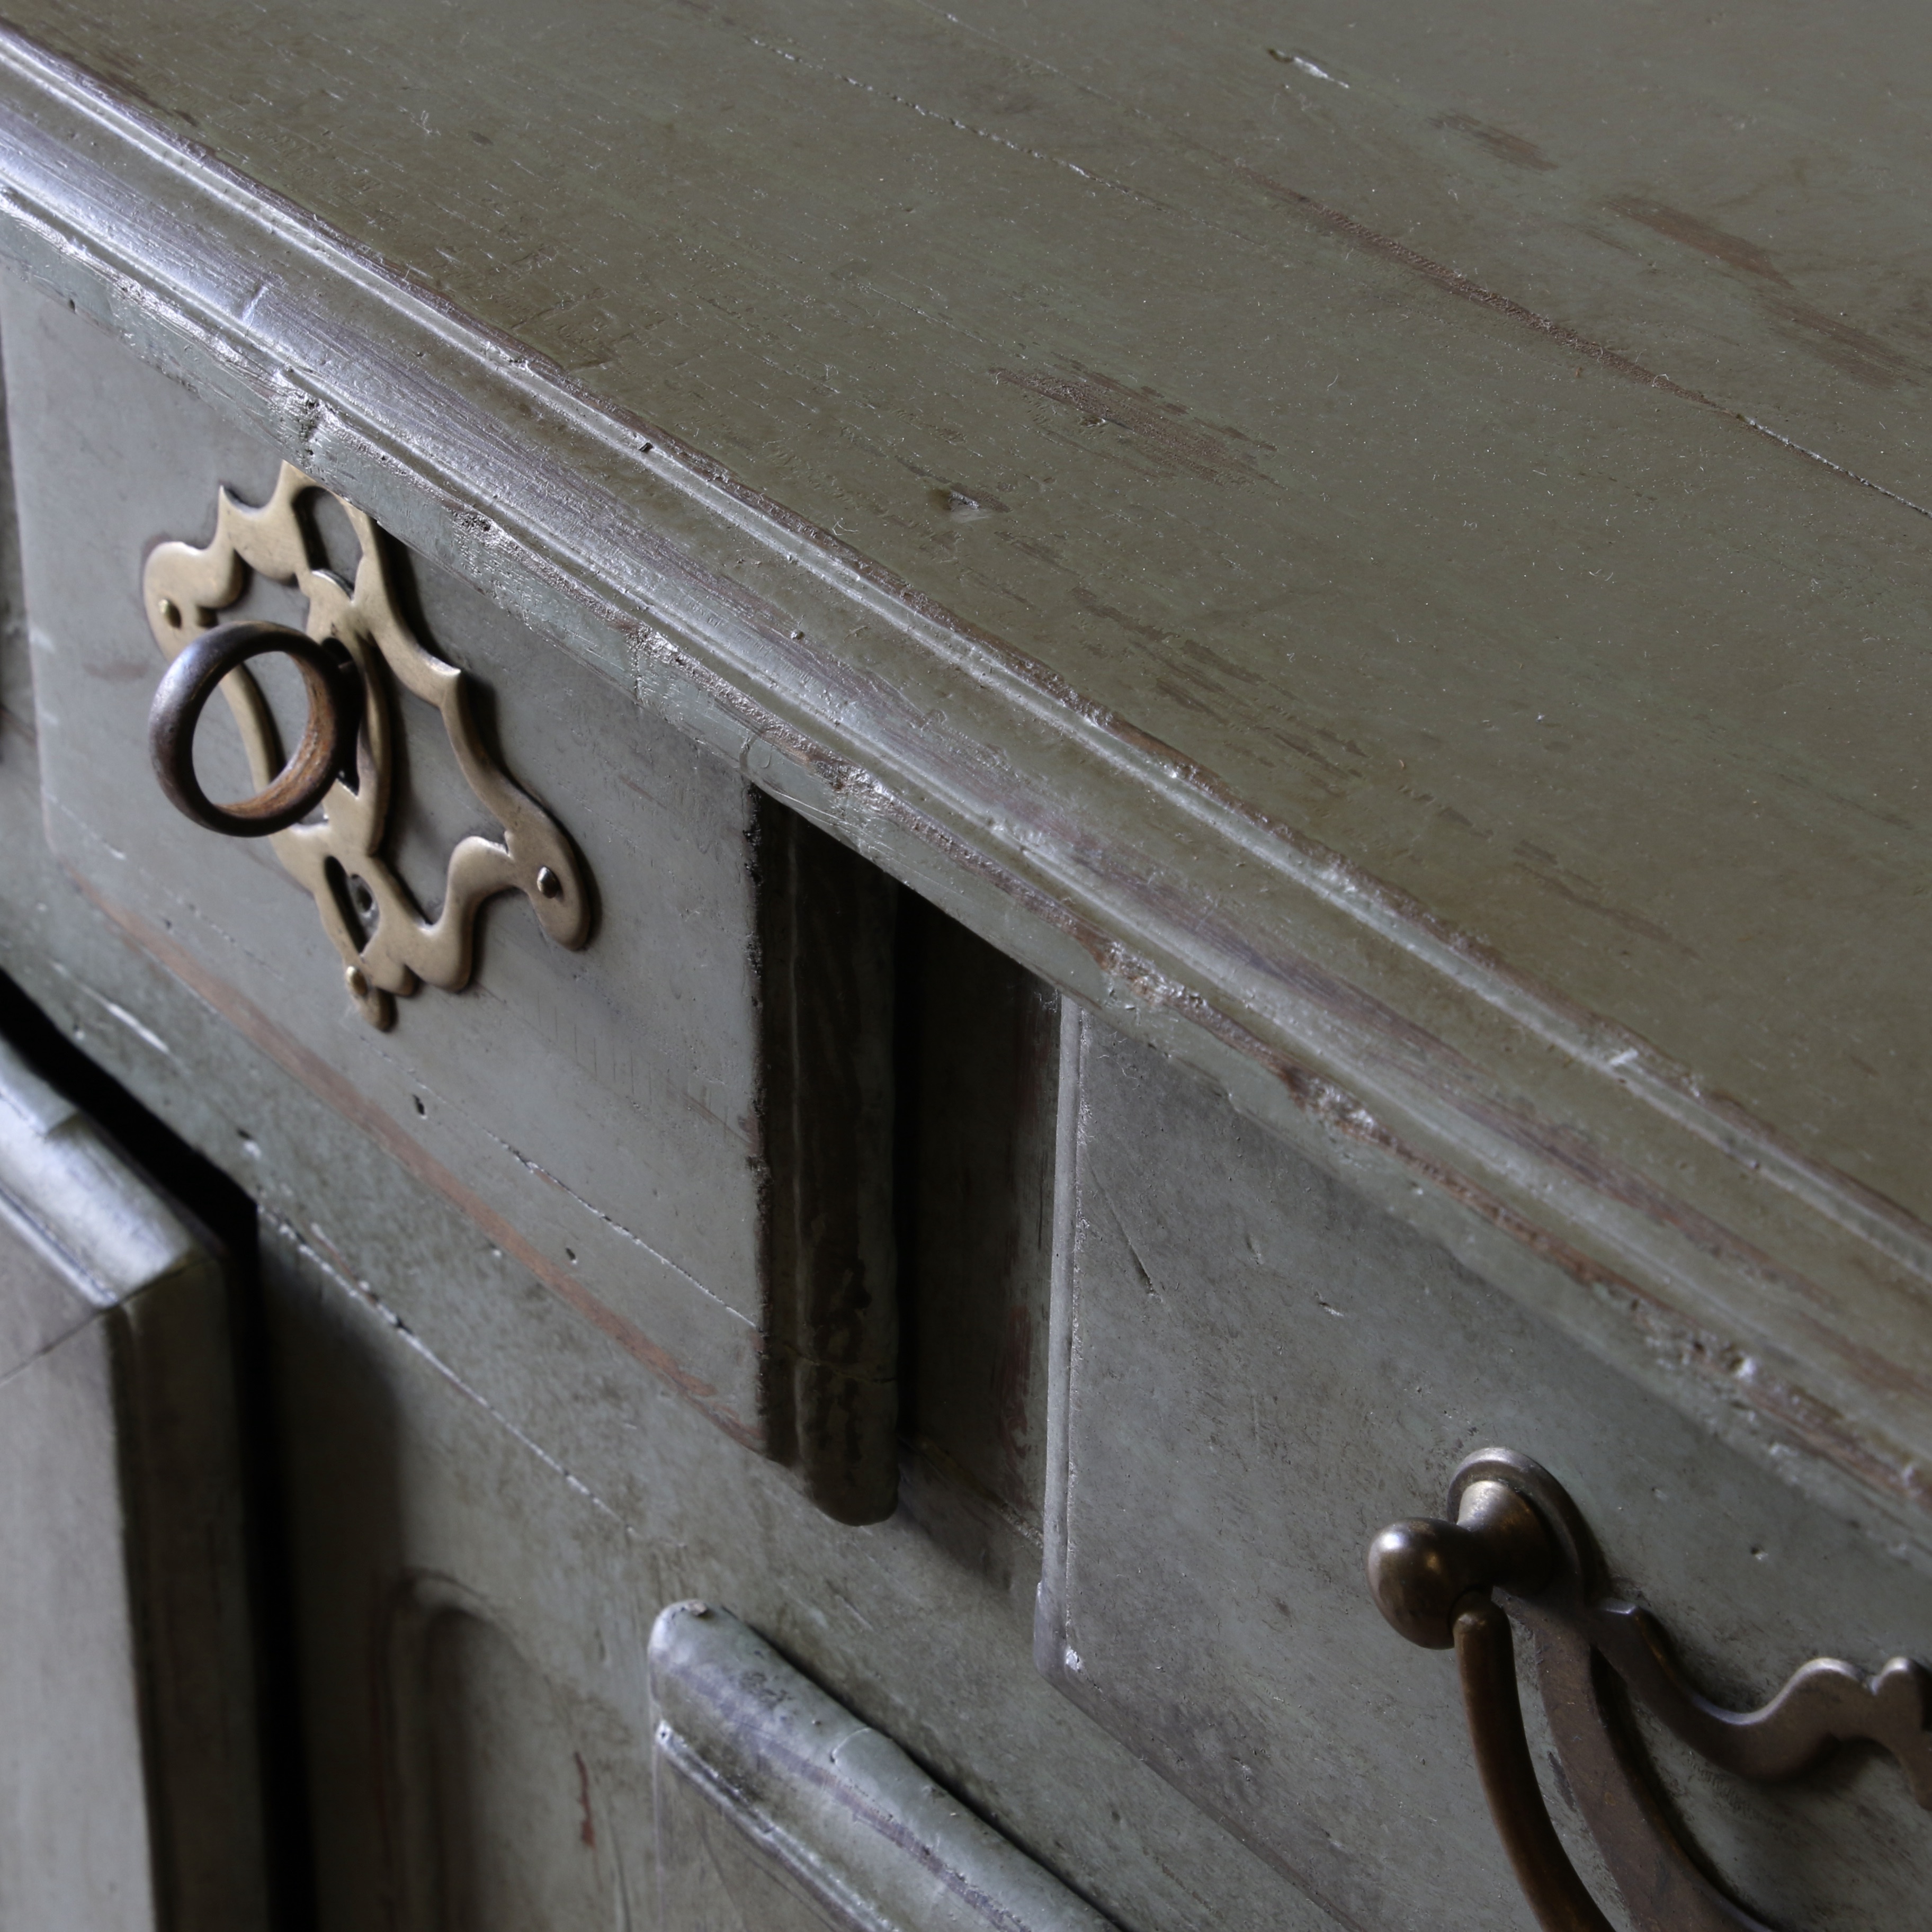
(362, 899)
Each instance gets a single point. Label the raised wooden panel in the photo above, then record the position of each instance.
(130, 1778)
(475, 1726)
(502, 1828)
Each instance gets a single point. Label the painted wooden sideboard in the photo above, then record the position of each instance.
(1085, 869)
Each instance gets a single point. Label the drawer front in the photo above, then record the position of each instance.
(610, 1116)
(1256, 1369)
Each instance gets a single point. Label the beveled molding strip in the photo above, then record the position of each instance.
(1725, 1251)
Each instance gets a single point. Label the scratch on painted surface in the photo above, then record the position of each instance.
(334, 1266)
(1161, 429)
(1500, 141)
(1701, 235)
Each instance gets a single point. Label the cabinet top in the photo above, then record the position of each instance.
(1391, 546)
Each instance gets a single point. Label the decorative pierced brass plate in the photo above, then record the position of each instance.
(387, 946)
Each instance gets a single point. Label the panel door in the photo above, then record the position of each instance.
(131, 1769)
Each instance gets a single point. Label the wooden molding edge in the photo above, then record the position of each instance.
(1132, 879)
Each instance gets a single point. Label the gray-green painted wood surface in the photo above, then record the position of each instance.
(130, 1777)
(1135, 479)
(598, 1112)
(1255, 1370)
(776, 1808)
(686, 1129)
(1224, 517)
(445, 1418)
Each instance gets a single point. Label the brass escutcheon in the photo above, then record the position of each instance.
(387, 946)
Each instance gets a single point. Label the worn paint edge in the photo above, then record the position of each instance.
(1878, 1223)
(1588, 1038)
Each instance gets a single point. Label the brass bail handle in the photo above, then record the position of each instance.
(1515, 1532)
(1432, 1581)
(327, 749)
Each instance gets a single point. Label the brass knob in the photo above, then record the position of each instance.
(327, 749)
(1420, 1570)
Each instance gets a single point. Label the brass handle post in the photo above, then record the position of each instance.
(326, 750)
